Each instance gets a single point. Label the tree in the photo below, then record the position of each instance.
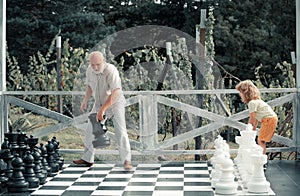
(32, 25)
(246, 34)
(252, 33)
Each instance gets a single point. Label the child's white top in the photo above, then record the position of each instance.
(261, 109)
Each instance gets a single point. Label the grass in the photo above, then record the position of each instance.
(72, 138)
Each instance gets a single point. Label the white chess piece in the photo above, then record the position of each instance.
(258, 182)
(238, 157)
(216, 171)
(226, 184)
(247, 146)
(249, 127)
(217, 145)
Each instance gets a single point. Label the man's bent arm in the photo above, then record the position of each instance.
(110, 101)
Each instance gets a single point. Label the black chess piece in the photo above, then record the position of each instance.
(51, 161)
(21, 143)
(5, 144)
(44, 156)
(38, 170)
(44, 171)
(32, 142)
(13, 140)
(17, 182)
(7, 157)
(3, 178)
(5, 154)
(101, 140)
(29, 173)
(59, 160)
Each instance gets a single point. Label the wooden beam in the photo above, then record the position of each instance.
(38, 109)
(296, 131)
(3, 110)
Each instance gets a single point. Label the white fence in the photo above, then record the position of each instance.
(148, 102)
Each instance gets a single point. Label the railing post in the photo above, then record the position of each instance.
(3, 112)
(199, 75)
(296, 131)
(148, 122)
(58, 70)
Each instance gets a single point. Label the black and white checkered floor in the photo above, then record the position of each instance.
(173, 178)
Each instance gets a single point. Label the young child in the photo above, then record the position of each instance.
(260, 111)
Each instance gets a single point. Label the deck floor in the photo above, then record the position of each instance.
(175, 178)
(284, 177)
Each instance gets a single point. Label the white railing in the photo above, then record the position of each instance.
(148, 102)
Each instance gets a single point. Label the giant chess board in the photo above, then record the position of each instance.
(171, 178)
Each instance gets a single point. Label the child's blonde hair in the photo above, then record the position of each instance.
(249, 90)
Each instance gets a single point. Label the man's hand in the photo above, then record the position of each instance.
(83, 106)
(88, 94)
(100, 115)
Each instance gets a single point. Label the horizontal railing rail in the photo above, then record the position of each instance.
(148, 101)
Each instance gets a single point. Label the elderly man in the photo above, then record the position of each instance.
(104, 84)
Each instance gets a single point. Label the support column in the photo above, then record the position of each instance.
(296, 129)
(3, 111)
(59, 76)
(148, 122)
(200, 38)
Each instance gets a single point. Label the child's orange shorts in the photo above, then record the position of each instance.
(267, 129)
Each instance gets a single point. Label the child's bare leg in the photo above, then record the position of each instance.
(263, 145)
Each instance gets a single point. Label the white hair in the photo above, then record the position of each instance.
(97, 53)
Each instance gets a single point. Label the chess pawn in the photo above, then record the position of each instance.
(7, 158)
(28, 173)
(59, 160)
(44, 170)
(51, 161)
(17, 183)
(5, 144)
(38, 170)
(3, 178)
(258, 182)
(226, 184)
(44, 156)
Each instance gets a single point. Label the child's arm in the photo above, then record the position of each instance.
(255, 125)
(253, 121)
